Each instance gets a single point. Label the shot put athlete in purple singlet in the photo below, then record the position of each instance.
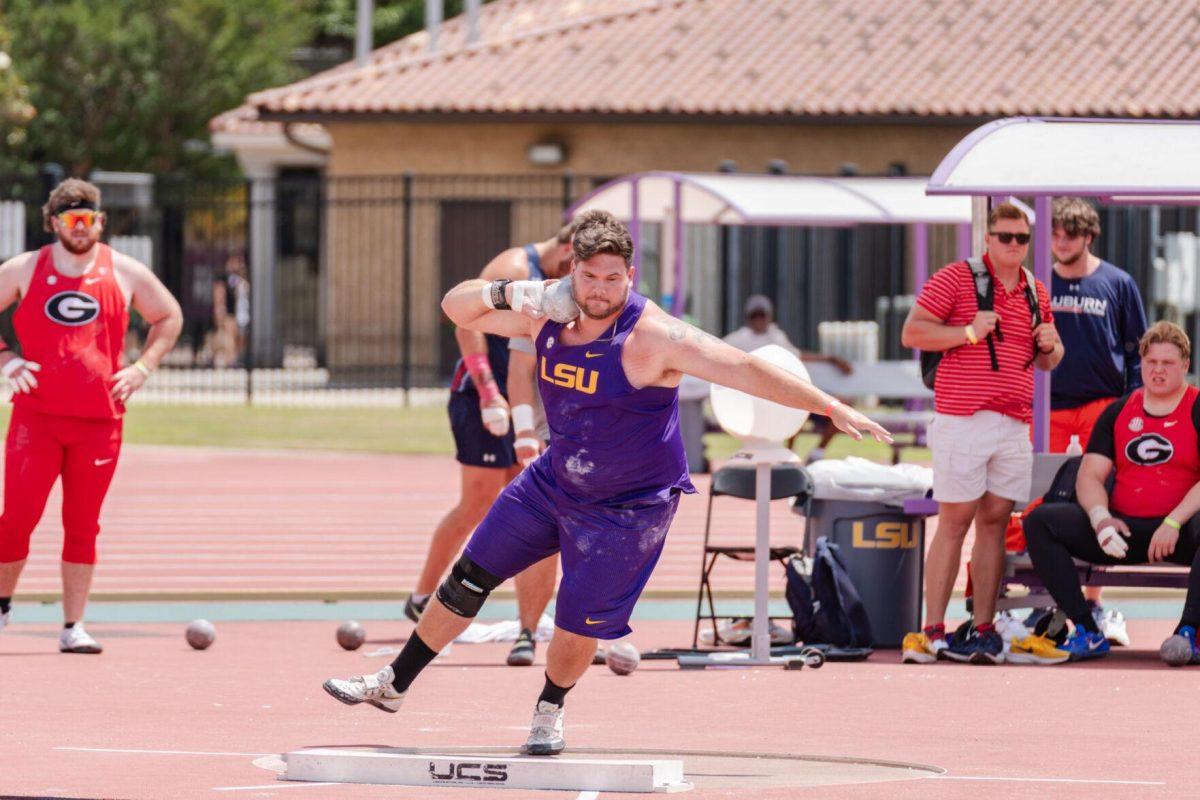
(605, 491)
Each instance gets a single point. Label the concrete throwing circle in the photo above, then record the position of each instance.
(711, 769)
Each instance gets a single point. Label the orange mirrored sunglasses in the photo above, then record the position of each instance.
(79, 215)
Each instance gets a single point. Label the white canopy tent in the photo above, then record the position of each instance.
(674, 199)
(1117, 161)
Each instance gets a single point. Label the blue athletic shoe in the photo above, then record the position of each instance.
(1084, 644)
(976, 648)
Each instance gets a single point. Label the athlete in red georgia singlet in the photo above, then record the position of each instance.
(69, 388)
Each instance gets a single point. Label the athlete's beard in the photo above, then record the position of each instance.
(74, 247)
(1075, 259)
(609, 310)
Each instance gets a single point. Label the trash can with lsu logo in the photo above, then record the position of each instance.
(883, 548)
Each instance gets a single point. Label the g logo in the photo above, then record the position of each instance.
(72, 308)
(1149, 449)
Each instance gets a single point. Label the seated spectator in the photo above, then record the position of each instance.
(1149, 441)
(760, 330)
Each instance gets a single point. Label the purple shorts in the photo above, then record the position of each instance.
(608, 551)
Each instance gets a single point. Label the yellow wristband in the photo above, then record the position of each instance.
(972, 337)
(1171, 523)
(142, 368)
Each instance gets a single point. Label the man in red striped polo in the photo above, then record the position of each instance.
(982, 455)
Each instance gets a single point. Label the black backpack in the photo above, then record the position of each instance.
(826, 608)
(1062, 488)
(985, 298)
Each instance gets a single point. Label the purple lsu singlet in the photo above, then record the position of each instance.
(609, 442)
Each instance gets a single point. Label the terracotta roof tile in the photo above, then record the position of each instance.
(960, 58)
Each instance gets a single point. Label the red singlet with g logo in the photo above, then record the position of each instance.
(1157, 458)
(75, 329)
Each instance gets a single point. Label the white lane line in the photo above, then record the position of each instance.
(280, 785)
(163, 752)
(587, 796)
(1041, 780)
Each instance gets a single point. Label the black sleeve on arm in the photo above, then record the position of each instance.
(1103, 441)
(1196, 417)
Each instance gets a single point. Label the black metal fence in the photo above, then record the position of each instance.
(325, 290)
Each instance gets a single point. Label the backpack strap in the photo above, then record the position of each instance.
(985, 298)
(1035, 310)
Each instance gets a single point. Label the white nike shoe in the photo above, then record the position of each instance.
(4, 619)
(77, 640)
(546, 732)
(375, 689)
(1112, 624)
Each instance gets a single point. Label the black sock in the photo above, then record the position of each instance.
(5, 604)
(415, 657)
(553, 693)
(68, 625)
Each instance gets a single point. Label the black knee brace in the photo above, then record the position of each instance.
(467, 586)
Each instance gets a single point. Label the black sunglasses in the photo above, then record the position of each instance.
(1007, 238)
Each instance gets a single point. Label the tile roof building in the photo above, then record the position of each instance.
(607, 87)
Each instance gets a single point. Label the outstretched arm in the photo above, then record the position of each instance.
(684, 348)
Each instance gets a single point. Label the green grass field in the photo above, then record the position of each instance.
(416, 430)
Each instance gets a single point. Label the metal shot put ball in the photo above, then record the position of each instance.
(351, 635)
(623, 658)
(200, 634)
(1176, 651)
(558, 302)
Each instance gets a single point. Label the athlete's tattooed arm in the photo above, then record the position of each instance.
(684, 348)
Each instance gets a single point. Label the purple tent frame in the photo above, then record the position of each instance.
(939, 184)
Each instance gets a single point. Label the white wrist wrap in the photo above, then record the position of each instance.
(522, 417)
(1098, 514)
(486, 294)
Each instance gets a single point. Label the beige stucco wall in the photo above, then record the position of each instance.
(619, 148)
(363, 301)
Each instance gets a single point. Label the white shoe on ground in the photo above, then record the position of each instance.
(76, 640)
(376, 689)
(1112, 624)
(546, 731)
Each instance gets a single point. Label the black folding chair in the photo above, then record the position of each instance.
(787, 480)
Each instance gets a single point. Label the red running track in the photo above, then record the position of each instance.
(152, 719)
(184, 521)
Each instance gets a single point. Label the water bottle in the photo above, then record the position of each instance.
(1074, 448)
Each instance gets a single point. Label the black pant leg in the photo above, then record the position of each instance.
(1055, 532)
(1187, 553)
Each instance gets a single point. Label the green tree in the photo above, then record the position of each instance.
(15, 110)
(132, 84)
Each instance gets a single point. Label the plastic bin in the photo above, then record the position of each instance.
(884, 550)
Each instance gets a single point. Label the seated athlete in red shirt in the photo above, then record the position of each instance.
(69, 387)
(1149, 442)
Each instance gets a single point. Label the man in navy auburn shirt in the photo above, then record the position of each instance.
(1100, 318)
(1149, 442)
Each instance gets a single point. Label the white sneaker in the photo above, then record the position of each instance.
(546, 732)
(1112, 624)
(375, 689)
(77, 640)
(4, 619)
(1010, 628)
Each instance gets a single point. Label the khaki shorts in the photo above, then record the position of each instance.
(985, 452)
